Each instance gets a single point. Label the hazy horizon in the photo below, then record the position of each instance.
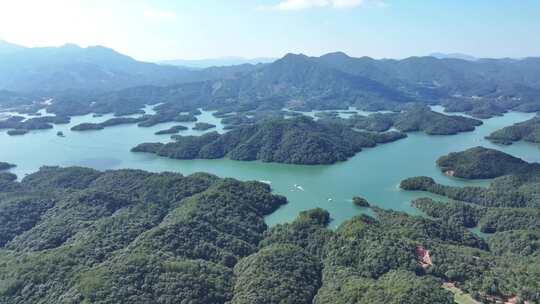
(161, 30)
(439, 54)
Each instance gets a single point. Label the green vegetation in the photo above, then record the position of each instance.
(460, 297)
(528, 131)
(20, 126)
(299, 141)
(413, 118)
(480, 108)
(6, 166)
(129, 236)
(172, 130)
(169, 116)
(508, 209)
(480, 162)
(489, 219)
(7, 181)
(433, 123)
(360, 201)
(505, 191)
(17, 132)
(276, 274)
(108, 123)
(203, 126)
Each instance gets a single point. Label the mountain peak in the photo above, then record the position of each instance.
(292, 56)
(337, 55)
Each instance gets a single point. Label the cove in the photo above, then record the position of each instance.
(373, 173)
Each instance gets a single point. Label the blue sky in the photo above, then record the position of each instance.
(167, 29)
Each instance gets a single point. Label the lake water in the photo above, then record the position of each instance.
(373, 173)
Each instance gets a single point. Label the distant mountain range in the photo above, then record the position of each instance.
(216, 62)
(297, 81)
(91, 68)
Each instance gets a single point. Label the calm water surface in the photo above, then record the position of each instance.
(373, 173)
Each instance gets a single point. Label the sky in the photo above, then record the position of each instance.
(196, 29)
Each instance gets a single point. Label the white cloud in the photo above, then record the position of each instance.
(347, 3)
(159, 15)
(305, 4)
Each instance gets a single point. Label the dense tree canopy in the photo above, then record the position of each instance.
(412, 118)
(480, 162)
(6, 166)
(528, 131)
(299, 141)
(129, 236)
(507, 209)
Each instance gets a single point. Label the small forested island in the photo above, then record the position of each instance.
(167, 116)
(6, 166)
(87, 236)
(17, 132)
(480, 162)
(108, 123)
(172, 130)
(415, 118)
(479, 108)
(360, 201)
(18, 124)
(203, 126)
(298, 140)
(527, 131)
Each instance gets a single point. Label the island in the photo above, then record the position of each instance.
(168, 116)
(360, 201)
(19, 123)
(17, 132)
(108, 123)
(413, 119)
(203, 126)
(480, 162)
(300, 140)
(172, 130)
(527, 131)
(514, 188)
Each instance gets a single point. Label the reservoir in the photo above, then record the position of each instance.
(373, 173)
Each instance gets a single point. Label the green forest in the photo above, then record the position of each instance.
(299, 140)
(129, 236)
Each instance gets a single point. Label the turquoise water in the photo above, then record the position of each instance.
(373, 173)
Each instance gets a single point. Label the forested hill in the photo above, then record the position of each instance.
(527, 131)
(480, 162)
(298, 140)
(130, 236)
(126, 236)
